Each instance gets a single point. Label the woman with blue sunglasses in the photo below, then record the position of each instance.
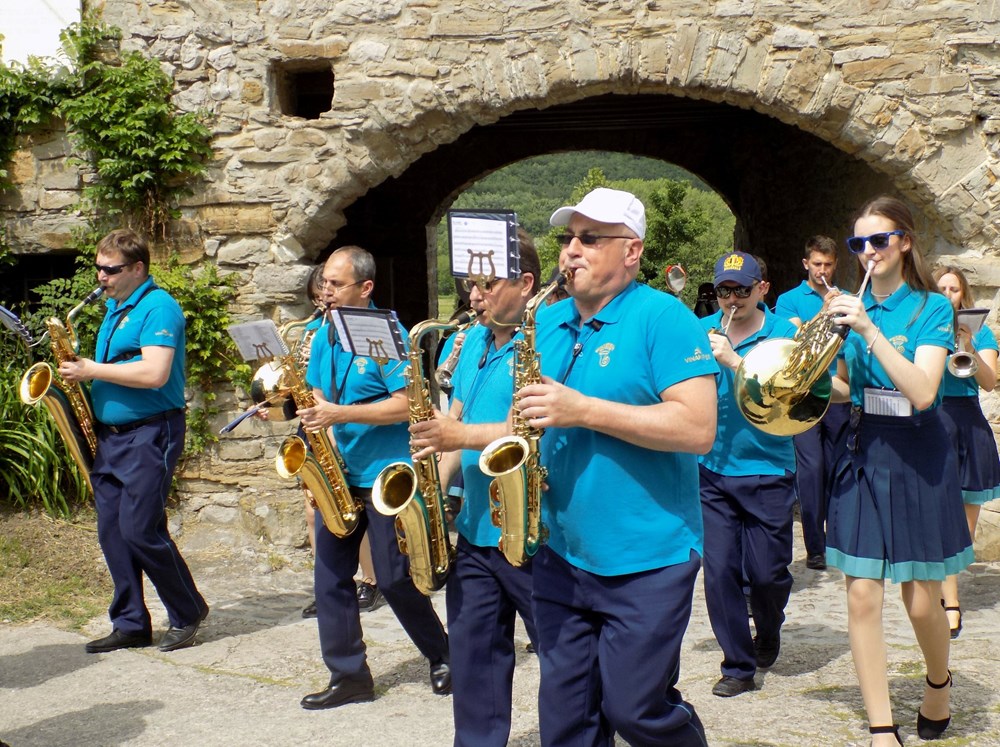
(896, 505)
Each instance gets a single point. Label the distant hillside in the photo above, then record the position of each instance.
(535, 187)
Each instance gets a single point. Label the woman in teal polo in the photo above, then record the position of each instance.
(896, 505)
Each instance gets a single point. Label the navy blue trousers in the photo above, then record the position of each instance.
(816, 451)
(131, 477)
(485, 593)
(609, 649)
(340, 634)
(748, 529)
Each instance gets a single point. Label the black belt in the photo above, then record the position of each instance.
(126, 427)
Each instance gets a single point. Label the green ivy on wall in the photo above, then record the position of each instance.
(143, 155)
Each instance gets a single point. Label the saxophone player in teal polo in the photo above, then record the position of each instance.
(367, 406)
(138, 399)
(627, 401)
(485, 592)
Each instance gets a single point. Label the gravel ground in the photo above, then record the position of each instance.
(257, 657)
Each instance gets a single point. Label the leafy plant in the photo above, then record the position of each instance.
(143, 152)
(34, 467)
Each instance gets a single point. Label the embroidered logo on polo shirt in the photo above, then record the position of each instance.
(604, 354)
(362, 365)
(123, 322)
(899, 342)
(165, 333)
(510, 367)
(698, 356)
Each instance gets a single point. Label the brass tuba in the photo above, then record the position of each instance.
(68, 404)
(413, 493)
(322, 468)
(513, 461)
(782, 385)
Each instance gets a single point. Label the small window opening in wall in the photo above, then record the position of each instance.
(304, 89)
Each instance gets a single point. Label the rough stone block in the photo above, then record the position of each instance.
(877, 70)
(236, 219)
(57, 199)
(245, 251)
(856, 54)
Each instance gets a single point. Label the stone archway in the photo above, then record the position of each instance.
(782, 184)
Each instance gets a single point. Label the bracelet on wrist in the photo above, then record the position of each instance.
(874, 339)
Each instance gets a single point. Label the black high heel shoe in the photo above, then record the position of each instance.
(929, 728)
(894, 730)
(958, 628)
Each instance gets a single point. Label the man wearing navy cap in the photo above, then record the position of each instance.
(747, 491)
(627, 402)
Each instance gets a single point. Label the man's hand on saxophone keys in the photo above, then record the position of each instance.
(321, 415)
(551, 404)
(443, 433)
(73, 372)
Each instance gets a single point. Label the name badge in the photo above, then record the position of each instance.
(886, 402)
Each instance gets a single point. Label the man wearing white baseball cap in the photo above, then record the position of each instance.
(627, 401)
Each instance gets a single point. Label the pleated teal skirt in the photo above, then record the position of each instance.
(896, 505)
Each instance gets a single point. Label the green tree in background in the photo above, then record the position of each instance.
(687, 223)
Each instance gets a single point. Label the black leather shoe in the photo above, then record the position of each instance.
(816, 562)
(441, 678)
(766, 650)
(118, 640)
(309, 610)
(341, 692)
(369, 597)
(728, 687)
(176, 638)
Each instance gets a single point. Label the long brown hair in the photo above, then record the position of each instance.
(915, 272)
(963, 283)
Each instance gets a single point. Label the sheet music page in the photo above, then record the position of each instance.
(483, 243)
(258, 340)
(371, 332)
(972, 318)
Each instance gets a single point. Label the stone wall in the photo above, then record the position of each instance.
(909, 89)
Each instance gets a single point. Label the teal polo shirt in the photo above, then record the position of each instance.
(348, 379)
(148, 317)
(614, 508)
(740, 449)
(801, 301)
(907, 319)
(484, 384)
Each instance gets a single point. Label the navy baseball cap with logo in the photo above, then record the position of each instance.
(739, 267)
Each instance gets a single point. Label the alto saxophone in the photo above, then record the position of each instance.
(322, 469)
(68, 404)
(513, 461)
(413, 493)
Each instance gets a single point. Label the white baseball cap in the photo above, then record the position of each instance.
(607, 206)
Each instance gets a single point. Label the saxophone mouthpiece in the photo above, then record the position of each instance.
(94, 295)
(466, 317)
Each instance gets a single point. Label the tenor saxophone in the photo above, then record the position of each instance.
(513, 461)
(68, 404)
(322, 468)
(413, 492)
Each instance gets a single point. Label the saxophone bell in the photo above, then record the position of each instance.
(413, 492)
(68, 404)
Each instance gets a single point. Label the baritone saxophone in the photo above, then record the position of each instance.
(68, 404)
(513, 461)
(413, 492)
